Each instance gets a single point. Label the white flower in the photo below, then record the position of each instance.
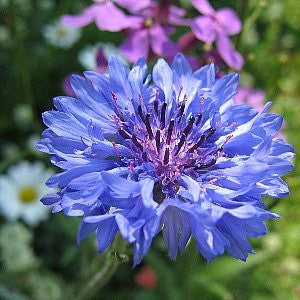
(87, 57)
(15, 248)
(60, 35)
(21, 190)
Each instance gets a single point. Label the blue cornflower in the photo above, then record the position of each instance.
(175, 155)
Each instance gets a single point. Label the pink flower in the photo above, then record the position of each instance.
(107, 15)
(218, 26)
(252, 97)
(151, 37)
(66, 86)
(101, 61)
(146, 278)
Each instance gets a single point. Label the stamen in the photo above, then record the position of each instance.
(163, 116)
(140, 112)
(136, 142)
(155, 104)
(157, 140)
(144, 156)
(199, 117)
(166, 156)
(202, 138)
(148, 126)
(182, 107)
(170, 129)
(180, 144)
(211, 131)
(189, 126)
(124, 134)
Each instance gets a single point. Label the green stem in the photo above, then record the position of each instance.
(247, 22)
(242, 15)
(22, 63)
(114, 257)
(253, 17)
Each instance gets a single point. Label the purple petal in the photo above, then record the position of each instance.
(204, 30)
(203, 6)
(253, 97)
(231, 57)
(66, 86)
(193, 61)
(101, 61)
(111, 18)
(229, 20)
(176, 16)
(83, 19)
(136, 45)
(160, 42)
(133, 5)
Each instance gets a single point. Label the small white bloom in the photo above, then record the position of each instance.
(15, 248)
(60, 35)
(46, 4)
(87, 57)
(21, 190)
(5, 36)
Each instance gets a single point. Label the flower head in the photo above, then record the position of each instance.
(218, 26)
(175, 156)
(20, 191)
(61, 36)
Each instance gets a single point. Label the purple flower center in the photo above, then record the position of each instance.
(169, 141)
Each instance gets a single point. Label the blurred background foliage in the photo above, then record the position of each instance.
(44, 263)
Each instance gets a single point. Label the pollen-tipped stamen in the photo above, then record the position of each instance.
(148, 126)
(170, 130)
(198, 144)
(157, 140)
(163, 116)
(211, 132)
(166, 156)
(124, 134)
(136, 142)
(140, 112)
(189, 126)
(180, 144)
(199, 118)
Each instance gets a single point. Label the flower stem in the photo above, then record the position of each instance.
(242, 15)
(114, 257)
(249, 21)
(22, 62)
